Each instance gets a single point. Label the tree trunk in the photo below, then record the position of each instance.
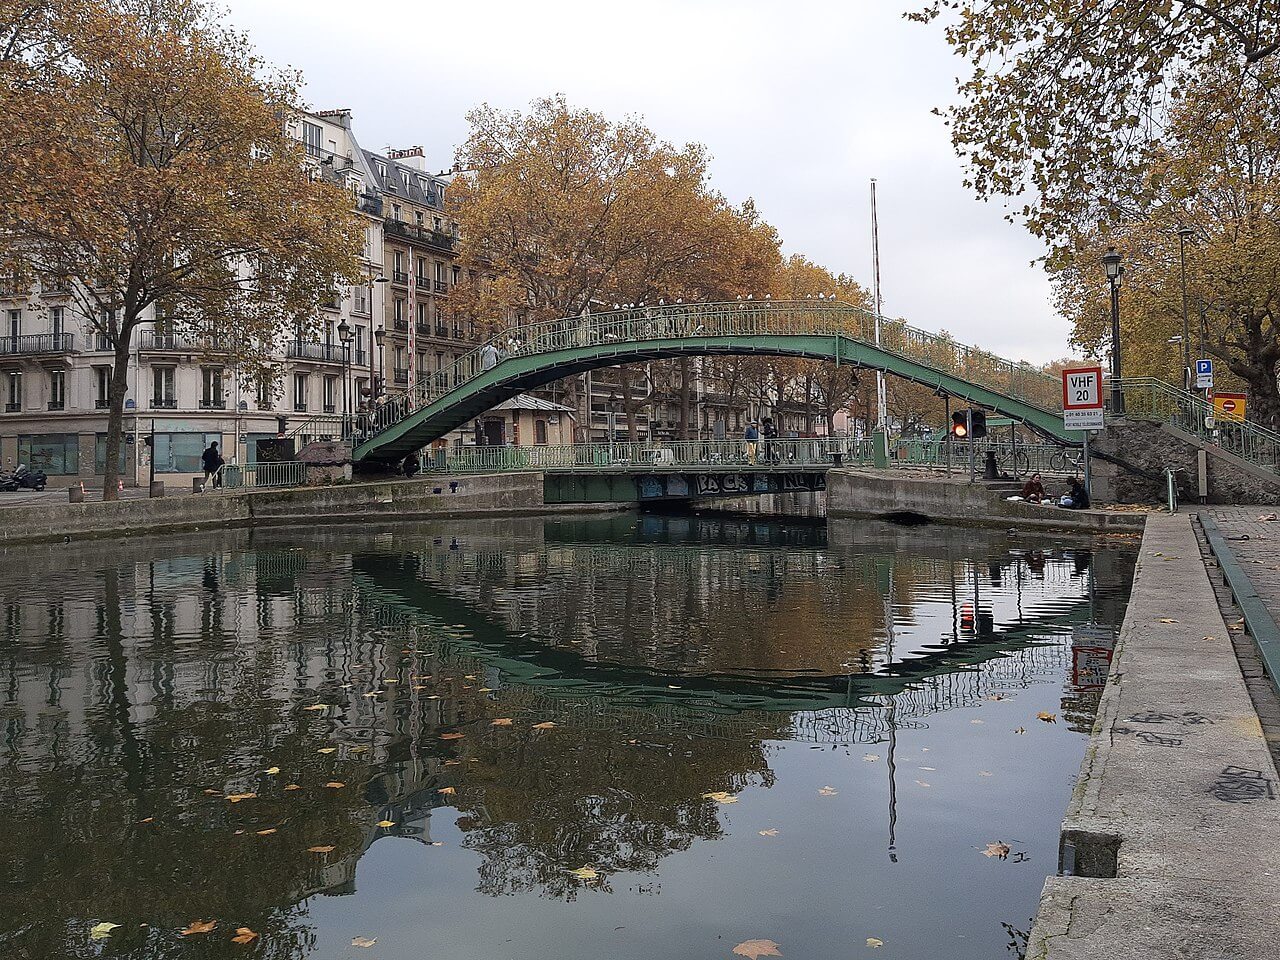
(116, 390)
(1264, 393)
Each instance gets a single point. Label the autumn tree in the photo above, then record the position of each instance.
(164, 183)
(561, 210)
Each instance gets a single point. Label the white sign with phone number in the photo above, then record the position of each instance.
(1082, 398)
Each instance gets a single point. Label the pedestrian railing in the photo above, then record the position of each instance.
(1146, 398)
(824, 318)
(1017, 459)
(287, 473)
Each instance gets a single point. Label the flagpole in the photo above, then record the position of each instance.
(881, 415)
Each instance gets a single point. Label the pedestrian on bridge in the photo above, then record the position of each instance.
(770, 434)
(752, 437)
(488, 357)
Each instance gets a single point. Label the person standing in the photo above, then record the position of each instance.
(770, 434)
(488, 356)
(752, 437)
(212, 462)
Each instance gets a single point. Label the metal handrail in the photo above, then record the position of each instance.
(830, 318)
(286, 473)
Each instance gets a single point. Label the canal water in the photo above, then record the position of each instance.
(560, 739)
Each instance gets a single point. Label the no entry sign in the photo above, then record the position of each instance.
(1082, 398)
(1229, 406)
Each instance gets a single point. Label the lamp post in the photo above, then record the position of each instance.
(1115, 270)
(1184, 234)
(344, 335)
(379, 335)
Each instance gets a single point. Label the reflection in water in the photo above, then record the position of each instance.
(224, 730)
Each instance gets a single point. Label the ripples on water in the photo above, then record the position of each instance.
(431, 726)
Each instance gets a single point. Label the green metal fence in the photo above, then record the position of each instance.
(289, 473)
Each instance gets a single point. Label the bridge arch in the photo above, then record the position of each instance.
(531, 356)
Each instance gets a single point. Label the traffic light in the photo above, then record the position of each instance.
(959, 427)
(978, 423)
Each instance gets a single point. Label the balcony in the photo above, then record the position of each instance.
(424, 329)
(401, 375)
(409, 231)
(400, 277)
(329, 408)
(153, 342)
(12, 407)
(313, 350)
(442, 287)
(424, 283)
(102, 403)
(34, 343)
(206, 404)
(370, 203)
(102, 343)
(56, 405)
(401, 324)
(441, 330)
(164, 403)
(300, 406)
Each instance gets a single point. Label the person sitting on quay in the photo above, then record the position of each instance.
(1077, 498)
(1033, 489)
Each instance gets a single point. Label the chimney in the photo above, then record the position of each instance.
(413, 157)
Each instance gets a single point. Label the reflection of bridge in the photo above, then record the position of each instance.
(532, 355)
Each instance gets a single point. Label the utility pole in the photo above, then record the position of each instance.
(881, 415)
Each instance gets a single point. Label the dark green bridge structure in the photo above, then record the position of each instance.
(532, 355)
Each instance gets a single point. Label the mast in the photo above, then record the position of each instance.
(881, 415)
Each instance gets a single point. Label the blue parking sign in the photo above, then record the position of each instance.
(1204, 374)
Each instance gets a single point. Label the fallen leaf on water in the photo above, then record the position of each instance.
(316, 706)
(199, 926)
(327, 750)
(828, 792)
(102, 931)
(452, 763)
(1167, 620)
(384, 824)
(502, 722)
(874, 942)
(363, 941)
(292, 786)
(451, 736)
(585, 873)
(244, 935)
(324, 849)
(930, 769)
(871, 757)
(545, 725)
(1047, 717)
(975, 721)
(984, 773)
(771, 832)
(272, 771)
(996, 696)
(148, 820)
(922, 783)
(213, 793)
(237, 797)
(754, 949)
(447, 790)
(335, 785)
(998, 849)
(266, 833)
(485, 690)
(720, 796)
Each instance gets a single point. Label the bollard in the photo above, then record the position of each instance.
(75, 492)
(157, 488)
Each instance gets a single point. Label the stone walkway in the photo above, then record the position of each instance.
(1173, 834)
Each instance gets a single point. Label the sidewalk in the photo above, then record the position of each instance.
(1173, 833)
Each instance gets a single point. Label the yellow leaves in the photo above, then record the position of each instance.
(999, 850)
(244, 935)
(317, 706)
(292, 786)
(447, 791)
(452, 736)
(197, 927)
(238, 797)
(102, 931)
(1047, 717)
(754, 949)
(585, 874)
(267, 832)
(363, 941)
(272, 771)
(502, 722)
(1167, 620)
(828, 791)
(327, 750)
(326, 848)
(386, 824)
(874, 942)
(720, 796)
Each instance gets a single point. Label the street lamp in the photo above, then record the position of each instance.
(1185, 233)
(344, 334)
(1115, 270)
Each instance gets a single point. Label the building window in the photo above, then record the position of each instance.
(102, 387)
(266, 395)
(15, 323)
(57, 389)
(539, 431)
(399, 311)
(100, 455)
(13, 396)
(57, 454)
(423, 321)
(300, 392)
(418, 215)
(211, 395)
(360, 300)
(330, 383)
(163, 396)
(181, 452)
(56, 316)
(395, 212)
(439, 272)
(311, 136)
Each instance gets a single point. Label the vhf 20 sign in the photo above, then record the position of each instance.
(1082, 398)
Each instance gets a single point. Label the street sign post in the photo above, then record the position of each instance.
(1204, 374)
(1082, 398)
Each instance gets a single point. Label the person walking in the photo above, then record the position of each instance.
(212, 462)
(488, 356)
(752, 437)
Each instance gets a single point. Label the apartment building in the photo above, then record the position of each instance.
(55, 367)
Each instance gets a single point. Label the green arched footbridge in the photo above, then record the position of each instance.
(529, 356)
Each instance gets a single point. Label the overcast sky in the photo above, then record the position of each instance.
(800, 104)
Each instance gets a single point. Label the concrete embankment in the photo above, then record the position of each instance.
(498, 494)
(1172, 838)
(870, 493)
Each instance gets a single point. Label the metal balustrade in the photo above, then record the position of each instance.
(612, 331)
(1146, 398)
(37, 343)
(288, 473)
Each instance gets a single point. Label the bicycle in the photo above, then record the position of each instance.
(1065, 460)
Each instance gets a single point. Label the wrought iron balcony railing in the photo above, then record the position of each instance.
(30, 343)
(313, 350)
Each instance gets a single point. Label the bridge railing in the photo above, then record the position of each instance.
(1017, 460)
(1147, 398)
(825, 318)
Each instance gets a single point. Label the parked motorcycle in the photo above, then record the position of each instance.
(23, 478)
